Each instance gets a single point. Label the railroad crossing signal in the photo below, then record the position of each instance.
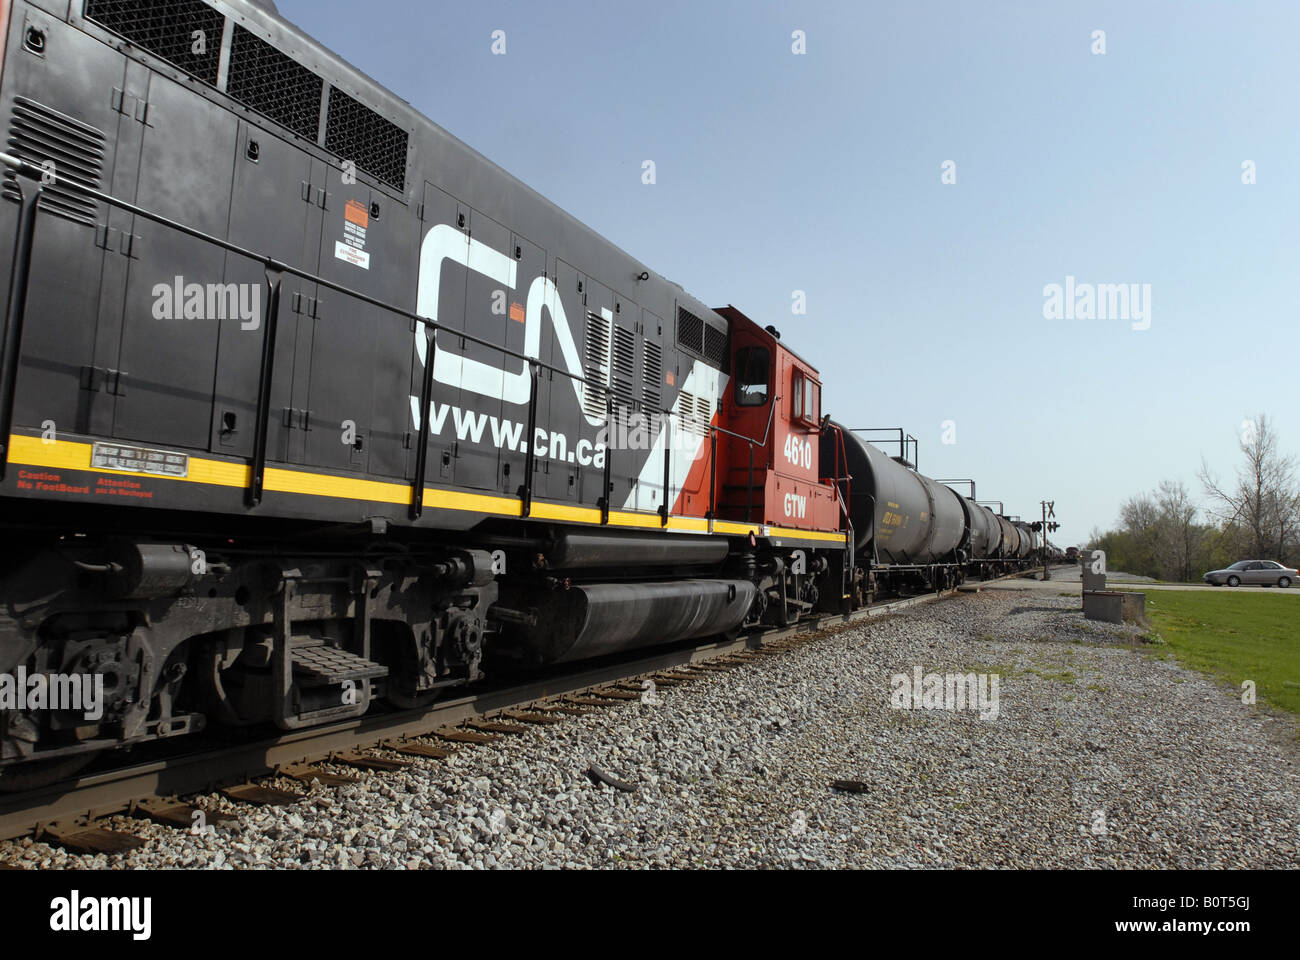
(1049, 510)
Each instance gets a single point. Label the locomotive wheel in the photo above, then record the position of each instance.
(41, 773)
(411, 702)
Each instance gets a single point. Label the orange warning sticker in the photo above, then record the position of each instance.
(668, 378)
(517, 312)
(355, 211)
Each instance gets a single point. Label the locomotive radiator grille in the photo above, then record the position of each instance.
(624, 356)
(715, 347)
(596, 366)
(651, 374)
(355, 132)
(690, 331)
(38, 134)
(693, 414)
(166, 28)
(276, 86)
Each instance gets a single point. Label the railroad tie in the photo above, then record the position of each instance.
(523, 716)
(80, 836)
(496, 726)
(571, 711)
(413, 749)
(464, 736)
(365, 761)
(260, 796)
(306, 773)
(174, 813)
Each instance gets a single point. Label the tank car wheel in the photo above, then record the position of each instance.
(35, 774)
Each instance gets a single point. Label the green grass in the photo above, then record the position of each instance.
(1060, 676)
(1234, 637)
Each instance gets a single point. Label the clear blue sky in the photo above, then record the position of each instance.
(822, 173)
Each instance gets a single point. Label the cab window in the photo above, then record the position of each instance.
(752, 367)
(806, 398)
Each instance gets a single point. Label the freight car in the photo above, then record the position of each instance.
(306, 404)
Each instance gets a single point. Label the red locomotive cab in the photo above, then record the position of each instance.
(768, 456)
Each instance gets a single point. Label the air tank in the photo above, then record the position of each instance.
(912, 518)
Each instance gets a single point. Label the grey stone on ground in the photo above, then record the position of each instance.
(1100, 755)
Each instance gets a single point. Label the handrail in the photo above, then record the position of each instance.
(751, 440)
(962, 480)
(713, 459)
(261, 426)
(16, 313)
(904, 441)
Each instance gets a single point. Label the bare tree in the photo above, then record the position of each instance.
(1138, 514)
(1178, 538)
(1264, 500)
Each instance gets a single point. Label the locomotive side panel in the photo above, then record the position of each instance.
(72, 260)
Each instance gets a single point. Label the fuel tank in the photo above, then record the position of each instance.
(592, 620)
(911, 518)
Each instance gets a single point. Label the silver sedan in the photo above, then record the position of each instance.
(1255, 572)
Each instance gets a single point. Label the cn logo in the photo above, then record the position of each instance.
(443, 243)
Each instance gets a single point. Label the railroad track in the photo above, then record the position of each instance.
(66, 813)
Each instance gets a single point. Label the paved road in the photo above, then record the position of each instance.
(1067, 578)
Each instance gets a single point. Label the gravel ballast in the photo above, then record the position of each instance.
(1099, 755)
